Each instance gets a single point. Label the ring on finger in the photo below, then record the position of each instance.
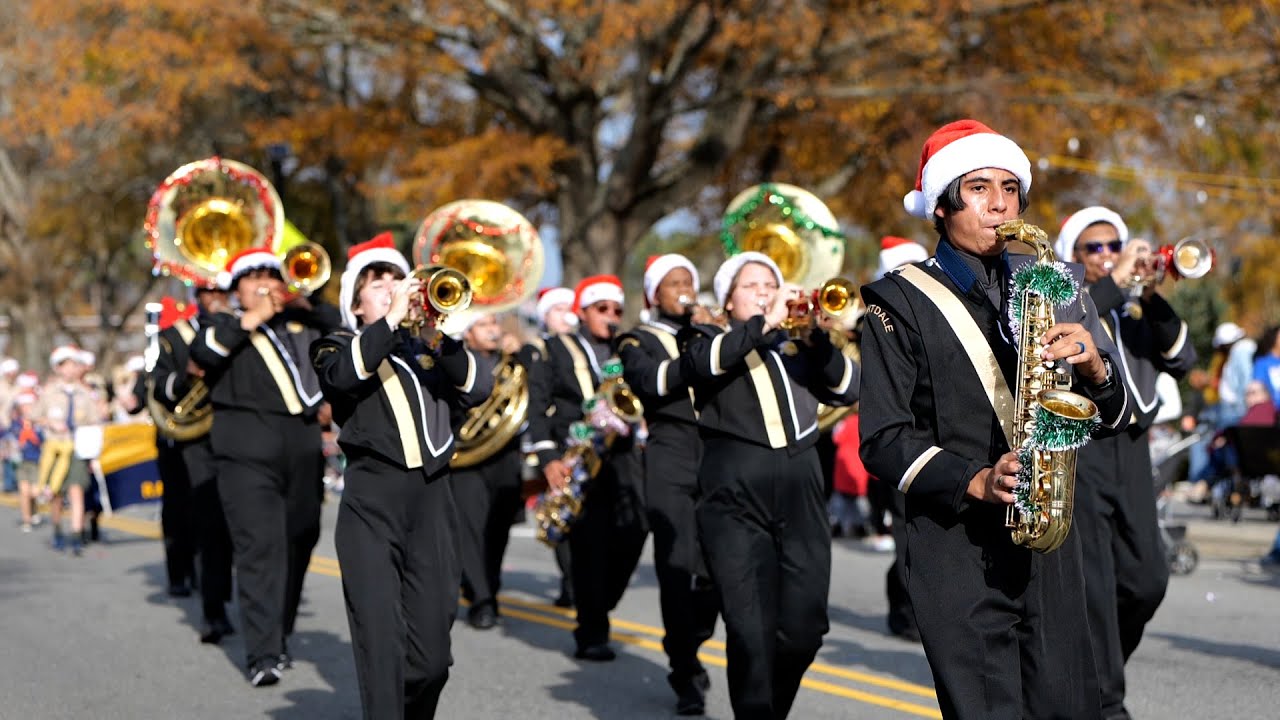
(1080, 345)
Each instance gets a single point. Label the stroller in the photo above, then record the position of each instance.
(1168, 463)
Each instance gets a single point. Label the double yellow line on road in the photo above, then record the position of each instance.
(650, 638)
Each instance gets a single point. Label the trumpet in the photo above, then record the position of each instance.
(833, 299)
(1188, 258)
(305, 267)
(444, 291)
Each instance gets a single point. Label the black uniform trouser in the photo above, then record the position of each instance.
(1001, 624)
(176, 519)
(270, 483)
(487, 495)
(213, 540)
(1126, 572)
(605, 544)
(901, 617)
(689, 603)
(396, 546)
(763, 525)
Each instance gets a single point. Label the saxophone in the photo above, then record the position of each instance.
(1050, 422)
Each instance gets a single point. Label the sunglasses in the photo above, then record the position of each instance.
(607, 309)
(1093, 248)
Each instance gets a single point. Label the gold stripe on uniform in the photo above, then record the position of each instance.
(403, 414)
(768, 398)
(288, 392)
(668, 344)
(185, 331)
(973, 341)
(580, 369)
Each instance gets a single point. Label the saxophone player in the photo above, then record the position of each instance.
(606, 542)
(652, 367)
(1125, 570)
(188, 471)
(1000, 623)
(487, 493)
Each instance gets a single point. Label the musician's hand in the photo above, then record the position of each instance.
(510, 344)
(298, 301)
(701, 316)
(400, 300)
(557, 474)
(262, 305)
(779, 310)
(1073, 343)
(995, 484)
(1131, 261)
(193, 369)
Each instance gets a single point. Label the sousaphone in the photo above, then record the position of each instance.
(491, 255)
(197, 219)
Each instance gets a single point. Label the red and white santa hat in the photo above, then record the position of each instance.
(597, 288)
(730, 268)
(657, 268)
(254, 258)
(27, 380)
(381, 248)
(63, 353)
(896, 252)
(551, 297)
(1065, 246)
(956, 149)
(88, 359)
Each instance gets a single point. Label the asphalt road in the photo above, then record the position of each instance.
(98, 637)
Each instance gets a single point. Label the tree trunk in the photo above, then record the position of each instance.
(31, 332)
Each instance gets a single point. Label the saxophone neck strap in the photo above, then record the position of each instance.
(976, 345)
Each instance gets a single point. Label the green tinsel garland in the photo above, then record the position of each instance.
(1053, 432)
(1051, 281)
(767, 193)
(1022, 491)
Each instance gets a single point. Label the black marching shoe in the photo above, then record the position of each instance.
(263, 673)
(215, 630)
(691, 693)
(180, 590)
(482, 617)
(596, 653)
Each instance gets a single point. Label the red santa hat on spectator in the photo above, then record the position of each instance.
(63, 353)
(597, 288)
(1065, 246)
(249, 259)
(381, 248)
(956, 149)
(896, 252)
(657, 268)
(729, 269)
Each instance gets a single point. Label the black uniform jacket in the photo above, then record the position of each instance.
(746, 387)
(1157, 343)
(570, 372)
(170, 381)
(387, 403)
(933, 376)
(270, 373)
(652, 366)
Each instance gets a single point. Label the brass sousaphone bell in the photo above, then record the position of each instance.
(481, 256)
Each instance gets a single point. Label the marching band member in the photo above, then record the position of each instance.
(267, 447)
(555, 317)
(392, 396)
(1115, 513)
(606, 541)
(187, 468)
(1001, 623)
(651, 366)
(66, 403)
(488, 494)
(762, 516)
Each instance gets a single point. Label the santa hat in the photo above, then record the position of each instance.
(729, 270)
(597, 288)
(256, 258)
(956, 149)
(1065, 246)
(28, 380)
(8, 366)
(657, 268)
(549, 298)
(87, 358)
(896, 252)
(380, 249)
(63, 353)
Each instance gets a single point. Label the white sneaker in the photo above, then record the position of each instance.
(883, 543)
